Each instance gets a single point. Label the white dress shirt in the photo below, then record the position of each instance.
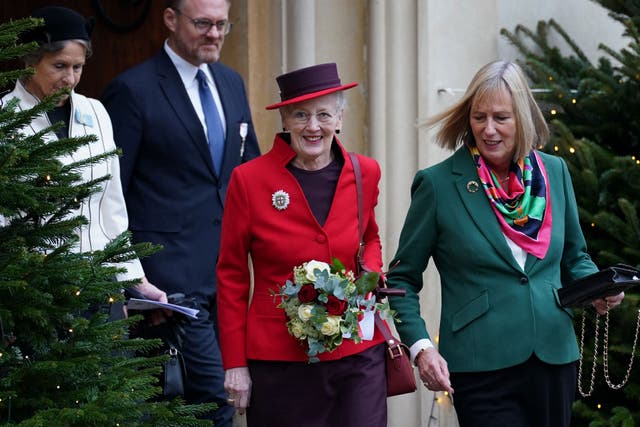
(187, 72)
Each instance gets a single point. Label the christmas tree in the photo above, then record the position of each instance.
(592, 110)
(62, 362)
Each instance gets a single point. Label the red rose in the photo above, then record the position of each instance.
(307, 294)
(335, 306)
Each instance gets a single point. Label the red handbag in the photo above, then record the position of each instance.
(400, 375)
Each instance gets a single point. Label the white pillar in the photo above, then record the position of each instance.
(299, 35)
(396, 69)
(401, 137)
(377, 106)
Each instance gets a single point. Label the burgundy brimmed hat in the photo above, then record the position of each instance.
(308, 83)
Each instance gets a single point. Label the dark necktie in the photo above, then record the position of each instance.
(215, 134)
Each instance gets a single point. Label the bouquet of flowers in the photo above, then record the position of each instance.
(324, 304)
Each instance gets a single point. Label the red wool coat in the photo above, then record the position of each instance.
(278, 240)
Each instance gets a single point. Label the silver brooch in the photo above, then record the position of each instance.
(280, 200)
(472, 186)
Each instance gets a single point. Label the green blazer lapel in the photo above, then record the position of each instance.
(530, 263)
(475, 202)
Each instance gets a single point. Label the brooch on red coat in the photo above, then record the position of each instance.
(280, 200)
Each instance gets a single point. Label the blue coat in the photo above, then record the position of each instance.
(494, 313)
(174, 197)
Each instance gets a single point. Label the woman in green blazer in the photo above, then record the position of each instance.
(501, 223)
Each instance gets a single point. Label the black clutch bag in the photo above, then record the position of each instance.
(610, 281)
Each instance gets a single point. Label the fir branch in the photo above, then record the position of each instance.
(574, 47)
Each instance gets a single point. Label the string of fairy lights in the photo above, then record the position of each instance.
(27, 359)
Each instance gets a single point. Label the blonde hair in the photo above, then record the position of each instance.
(497, 78)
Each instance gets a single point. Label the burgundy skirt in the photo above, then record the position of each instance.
(349, 392)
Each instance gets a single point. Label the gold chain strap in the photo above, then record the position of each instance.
(605, 354)
(595, 356)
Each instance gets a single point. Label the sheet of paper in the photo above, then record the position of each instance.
(367, 325)
(146, 304)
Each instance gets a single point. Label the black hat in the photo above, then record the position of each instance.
(308, 83)
(60, 23)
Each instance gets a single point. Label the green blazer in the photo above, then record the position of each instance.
(494, 314)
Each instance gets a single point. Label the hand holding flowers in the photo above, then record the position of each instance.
(324, 304)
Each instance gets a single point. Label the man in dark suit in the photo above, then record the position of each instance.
(175, 169)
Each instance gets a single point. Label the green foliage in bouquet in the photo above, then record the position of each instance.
(325, 303)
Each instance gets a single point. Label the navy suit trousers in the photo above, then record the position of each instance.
(205, 375)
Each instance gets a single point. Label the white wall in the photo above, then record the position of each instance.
(463, 35)
(585, 21)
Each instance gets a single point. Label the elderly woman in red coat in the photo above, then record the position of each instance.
(297, 203)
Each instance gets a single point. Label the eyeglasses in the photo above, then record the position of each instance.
(203, 26)
(302, 117)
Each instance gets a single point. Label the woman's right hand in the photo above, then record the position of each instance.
(433, 370)
(237, 383)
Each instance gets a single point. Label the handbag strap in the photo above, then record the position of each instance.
(384, 330)
(358, 174)
(394, 345)
(382, 286)
(605, 354)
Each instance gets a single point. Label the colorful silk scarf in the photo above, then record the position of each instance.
(524, 208)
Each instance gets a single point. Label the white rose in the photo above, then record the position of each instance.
(304, 312)
(331, 326)
(315, 265)
(297, 329)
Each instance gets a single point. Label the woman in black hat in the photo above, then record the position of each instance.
(296, 204)
(63, 46)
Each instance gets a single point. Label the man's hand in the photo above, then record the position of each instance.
(151, 291)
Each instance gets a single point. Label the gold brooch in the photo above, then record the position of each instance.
(472, 186)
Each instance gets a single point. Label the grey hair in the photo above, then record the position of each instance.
(32, 58)
(341, 104)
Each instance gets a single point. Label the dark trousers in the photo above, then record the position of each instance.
(350, 392)
(531, 394)
(205, 375)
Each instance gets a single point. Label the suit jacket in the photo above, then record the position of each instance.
(173, 194)
(278, 240)
(494, 314)
(105, 210)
